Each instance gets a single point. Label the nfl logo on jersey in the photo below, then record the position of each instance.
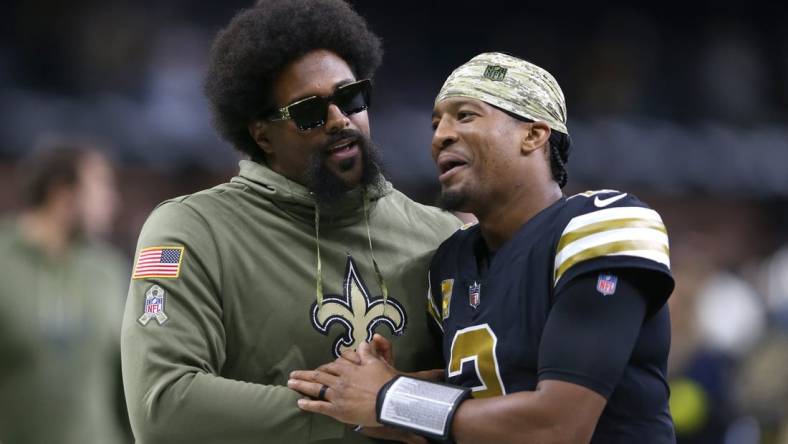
(474, 294)
(154, 306)
(606, 284)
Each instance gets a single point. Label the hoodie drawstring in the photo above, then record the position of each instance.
(319, 275)
(383, 288)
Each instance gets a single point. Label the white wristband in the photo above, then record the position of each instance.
(419, 406)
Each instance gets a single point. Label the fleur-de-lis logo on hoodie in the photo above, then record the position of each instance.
(358, 312)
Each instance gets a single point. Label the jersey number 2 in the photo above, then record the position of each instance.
(477, 344)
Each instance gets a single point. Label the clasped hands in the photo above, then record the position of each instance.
(351, 384)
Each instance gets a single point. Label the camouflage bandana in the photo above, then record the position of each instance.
(510, 83)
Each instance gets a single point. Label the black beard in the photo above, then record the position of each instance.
(452, 200)
(327, 187)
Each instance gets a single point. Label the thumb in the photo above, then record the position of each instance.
(383, 348)
(366, 352)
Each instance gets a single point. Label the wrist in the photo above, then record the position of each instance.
(419, 406)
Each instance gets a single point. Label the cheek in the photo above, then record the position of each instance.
(494, 159)
(294, 148)
(361, 122)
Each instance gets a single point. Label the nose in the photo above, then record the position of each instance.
(443, 137)
(336, 120)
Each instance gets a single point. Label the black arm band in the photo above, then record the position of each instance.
(419, 406)
(589, 336)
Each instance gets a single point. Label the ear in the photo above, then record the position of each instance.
(535, 137)
(258, 129)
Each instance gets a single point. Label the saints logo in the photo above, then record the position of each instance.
(357, 312)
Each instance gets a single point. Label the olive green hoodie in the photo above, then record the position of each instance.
(208, 347)
(59, 322)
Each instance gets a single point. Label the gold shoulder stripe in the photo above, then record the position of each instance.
(599, 227)
(628, 247)
(631, 231)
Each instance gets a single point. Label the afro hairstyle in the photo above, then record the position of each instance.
(248, 55)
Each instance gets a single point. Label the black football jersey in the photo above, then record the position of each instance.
(493, 307)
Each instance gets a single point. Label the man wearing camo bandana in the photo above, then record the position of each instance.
(552, 308)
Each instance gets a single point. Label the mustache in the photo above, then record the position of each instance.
(346, 133)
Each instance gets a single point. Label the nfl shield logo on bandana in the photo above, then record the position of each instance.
(474, 294)
(154, 306)
(606, 284)
(495, 72)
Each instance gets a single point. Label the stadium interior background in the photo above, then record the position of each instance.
(682, 104)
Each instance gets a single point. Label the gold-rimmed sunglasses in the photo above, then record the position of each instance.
(312, 112)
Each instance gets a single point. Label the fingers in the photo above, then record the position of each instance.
(367, 353)
(309, 382)
(383, 348)
(320, 376)
(322, 407)
(311, 389)
(351, 356)
(336, 368)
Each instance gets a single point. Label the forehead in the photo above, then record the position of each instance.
(454, 103)
(316, 73)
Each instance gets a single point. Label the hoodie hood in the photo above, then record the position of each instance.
(298, 201)
(351, 208)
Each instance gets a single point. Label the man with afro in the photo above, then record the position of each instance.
(306, 253)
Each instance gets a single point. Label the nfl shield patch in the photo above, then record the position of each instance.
(154, 306)
(606, 284)
(495, 72)
(474, 294)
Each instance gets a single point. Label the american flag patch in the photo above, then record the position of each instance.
(158, 262)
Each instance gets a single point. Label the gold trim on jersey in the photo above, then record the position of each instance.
(447, 287)
(609, 225)
(432, 309)
(619, 231)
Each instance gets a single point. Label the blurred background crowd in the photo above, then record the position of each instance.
(685, 105)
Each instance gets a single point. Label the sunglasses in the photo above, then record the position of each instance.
(312, 112)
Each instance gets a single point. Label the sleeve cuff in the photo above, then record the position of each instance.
(324, 427)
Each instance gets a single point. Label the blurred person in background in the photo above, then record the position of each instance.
(61, 293)
(700, 376)
(307, 252)
(727, 372)
(761, 386)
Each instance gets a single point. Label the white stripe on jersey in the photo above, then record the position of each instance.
(610, 214)
(608, 236)
(620, 231)
(656, 256)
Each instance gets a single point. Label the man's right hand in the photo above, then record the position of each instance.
(381, 347)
